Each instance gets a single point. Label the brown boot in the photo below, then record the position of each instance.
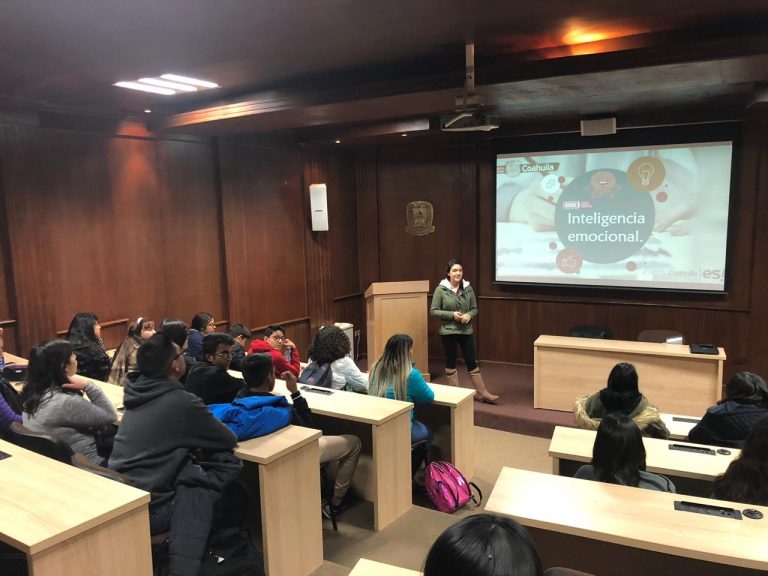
(482, 392)
(452, 376)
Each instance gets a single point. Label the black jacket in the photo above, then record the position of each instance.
(162, 424)
(213, 384)
(238, 356)
(302, 415)
(727, 424)
(92, 360)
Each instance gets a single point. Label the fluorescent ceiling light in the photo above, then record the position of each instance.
(188, 80)
(146, 88)
(167, 84)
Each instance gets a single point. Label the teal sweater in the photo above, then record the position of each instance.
(418, 390)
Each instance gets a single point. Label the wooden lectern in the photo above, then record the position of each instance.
(397, 308)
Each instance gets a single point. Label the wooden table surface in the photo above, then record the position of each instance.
(635, 517)
(43, 501)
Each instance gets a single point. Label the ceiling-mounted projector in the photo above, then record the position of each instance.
(477, 121)
(469, 115)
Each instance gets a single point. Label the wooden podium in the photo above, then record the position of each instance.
(397, 308)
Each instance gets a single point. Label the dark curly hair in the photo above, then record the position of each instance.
(330, 344)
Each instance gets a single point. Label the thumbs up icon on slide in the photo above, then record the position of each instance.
(569, 261)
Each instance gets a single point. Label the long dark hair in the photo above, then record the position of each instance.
(746, 478)
(747, 388)
(622, 393)
(122, 358)
(618, 454)
(47, 370)
(483, 545)
(330, 344)
(82, 328)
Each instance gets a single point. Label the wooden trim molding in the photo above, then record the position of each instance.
(107, 324)
(283, 323)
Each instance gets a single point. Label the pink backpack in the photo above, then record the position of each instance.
(447, 487)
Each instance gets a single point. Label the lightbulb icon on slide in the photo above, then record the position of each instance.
(645, 171)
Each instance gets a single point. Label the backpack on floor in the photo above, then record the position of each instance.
(316, 374)
(447, 487)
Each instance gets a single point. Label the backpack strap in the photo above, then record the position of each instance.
(479, 499)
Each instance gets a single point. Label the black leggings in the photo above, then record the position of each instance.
(467, 344)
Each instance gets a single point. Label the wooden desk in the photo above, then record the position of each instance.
(671, 377)
(287, 466)
(383, 475)
(678, 426)
(692, 473)
(370, 568)
(452, 417)
(13, 359)
(608, 529)
(70, 522)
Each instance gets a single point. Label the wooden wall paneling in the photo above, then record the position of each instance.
(446, 178)
(193, 273)
(7, 294)
(263, 233)
(316, 170)
(367, 189)
(33, 171)
(756, 146)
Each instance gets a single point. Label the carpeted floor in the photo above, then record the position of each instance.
(514, 411)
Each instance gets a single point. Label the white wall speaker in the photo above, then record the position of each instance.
(598, 127)
(318, 202)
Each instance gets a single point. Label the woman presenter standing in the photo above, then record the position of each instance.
(454, 303)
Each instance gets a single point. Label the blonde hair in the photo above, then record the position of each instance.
(393, 368)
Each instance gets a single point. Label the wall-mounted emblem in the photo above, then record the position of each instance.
(419, 214)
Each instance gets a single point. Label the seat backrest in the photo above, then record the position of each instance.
(587, 331)
(45, 444)
(658, 335)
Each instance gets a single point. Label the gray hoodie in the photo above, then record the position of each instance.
(162, 424)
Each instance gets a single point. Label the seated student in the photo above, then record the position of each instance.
(209, 379)
(730, 421)
(202, 324)
(483, 545)
(344, 449)
(285, 356)
(53, 401)
(746, 478)
(394, 376)
(331, 346)
(621, 395)
(618, 456)
(84, 334)
(10, 403)
(242, 337)
(178, 333)
(124, 360)
(164, 432)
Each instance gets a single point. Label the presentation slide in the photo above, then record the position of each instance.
(642, 217)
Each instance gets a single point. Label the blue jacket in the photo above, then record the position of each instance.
(254, 416)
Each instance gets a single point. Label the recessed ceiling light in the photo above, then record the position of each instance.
(167, 84)
(147, 111)
(146, 88)
(403, 134)
(338, 141)
(189, 80)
